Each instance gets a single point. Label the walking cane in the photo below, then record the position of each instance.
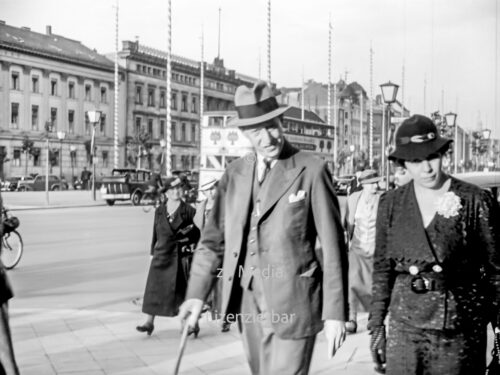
(182, 346)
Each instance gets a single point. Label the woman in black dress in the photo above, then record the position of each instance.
(436, 266)
(174, 237)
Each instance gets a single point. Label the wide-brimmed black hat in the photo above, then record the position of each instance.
(417, 138)
(171, 182)
(369, 176)
(255, 105)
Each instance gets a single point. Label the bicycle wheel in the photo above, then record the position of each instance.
(12, 249)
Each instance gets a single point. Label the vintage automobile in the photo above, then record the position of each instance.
(485, 180)
(38, 184)
(11, 183)
(125, 184)
(342, 184)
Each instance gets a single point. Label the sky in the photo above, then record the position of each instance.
(448, 49)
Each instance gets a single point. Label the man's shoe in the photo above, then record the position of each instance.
(351, 326)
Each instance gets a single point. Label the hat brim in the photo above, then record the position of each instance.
(372, 180)
(419, 151)
(208, 186)
(241, 123)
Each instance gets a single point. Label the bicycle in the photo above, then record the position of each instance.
(12, 242)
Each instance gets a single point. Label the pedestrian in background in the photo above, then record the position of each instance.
(174, 235)
(401, 176)
(436, 266)
(271, 206)
(8, 365)
(361, 215)
(85, 177)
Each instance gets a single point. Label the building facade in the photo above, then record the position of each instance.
(146, 104)
(50, 82)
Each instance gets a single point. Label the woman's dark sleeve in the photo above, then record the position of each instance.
(194, 234)
(153, 241)
(383, 275)
(488, 237)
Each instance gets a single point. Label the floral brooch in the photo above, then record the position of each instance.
(448, 205)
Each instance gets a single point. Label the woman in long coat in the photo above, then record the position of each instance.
(436, 265)
(174, 236)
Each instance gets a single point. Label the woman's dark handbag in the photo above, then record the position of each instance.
(494, 366)
(10, 224)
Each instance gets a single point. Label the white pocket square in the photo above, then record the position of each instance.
(300, 196)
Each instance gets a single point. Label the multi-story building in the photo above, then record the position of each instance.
(146, 102)
(48, 81)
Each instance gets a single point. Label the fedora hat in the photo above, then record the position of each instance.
(255, 105)
(210, 183)
(417, 138)
(369, 176)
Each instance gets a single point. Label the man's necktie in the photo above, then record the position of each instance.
(267, 169)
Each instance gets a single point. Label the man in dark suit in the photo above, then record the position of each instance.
(270, 208)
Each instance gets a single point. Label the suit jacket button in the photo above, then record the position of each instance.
(252, 240)
(252, 253)
(230, 278)
(252, 268)
(235, 254)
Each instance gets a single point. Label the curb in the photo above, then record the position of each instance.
(11, 208)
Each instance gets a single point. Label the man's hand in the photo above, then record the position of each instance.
(190, 311)
(335, 335)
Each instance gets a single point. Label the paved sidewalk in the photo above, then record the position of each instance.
(29, 200)
(91, 342)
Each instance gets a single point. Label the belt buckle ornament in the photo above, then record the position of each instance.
(420, 285)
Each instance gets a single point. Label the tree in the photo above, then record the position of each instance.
(139, 147)
(28, 147)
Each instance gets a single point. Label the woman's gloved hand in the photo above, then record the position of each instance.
(377, 347)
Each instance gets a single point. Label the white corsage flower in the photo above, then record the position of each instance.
(448, 205)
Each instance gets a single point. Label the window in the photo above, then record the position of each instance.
(103, 124)
(150, 127)
(183, 132)
(194, 105)
(104, 98)
(14, 115)
(138, 94)
(346, 115)
(105, 159)
(35, 84)
(15, 80)
(71, 121)
(193, 161)
(88, 93)
(34, 117)
(137, 125)
(173, 161)
(57, 159)
(174, 131)
(162, 128)
(162, 99)
(87, 123)
(151, 97)
(193, 132)
(53, 117)
(138, 67)
(16, 157)
(184, 104)
(174, 101)
(36, 156)
(53, 87)
(71, 90)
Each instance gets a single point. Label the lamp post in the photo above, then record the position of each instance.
(60, 135)
(451, 121)
(94, 118)
(389, 94)
(48, 129)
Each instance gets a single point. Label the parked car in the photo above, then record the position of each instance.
(125, 184)
(11, 183)
(342, 184)
(38, 184)
(485, 180)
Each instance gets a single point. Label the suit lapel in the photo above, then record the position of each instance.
(279, 180)
(243, 181)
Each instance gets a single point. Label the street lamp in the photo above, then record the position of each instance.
(451, 119)
(48, 129)
(389, 94)
(60, 135)
(94, 118)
